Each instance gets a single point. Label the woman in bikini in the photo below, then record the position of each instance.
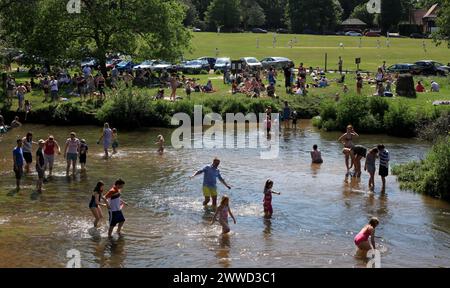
(347, 140)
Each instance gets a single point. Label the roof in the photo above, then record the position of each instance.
(431, 13)
(417, 16)
(353, 22)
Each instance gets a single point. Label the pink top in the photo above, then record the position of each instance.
(363, 235)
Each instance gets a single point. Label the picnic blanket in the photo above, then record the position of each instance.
(441, 102)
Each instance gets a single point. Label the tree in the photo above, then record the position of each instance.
(224, 13)
(360, 12)
(348, 6)
(151, 28)
(252, 14)
(443, 22)
(274, 11)
(314, 15)
(191, 13)
(391, 14)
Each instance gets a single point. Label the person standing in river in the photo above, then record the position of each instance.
(347, 140)
(106, 139)
(71, 153)
(18, 162)
(383, 154)
(115, 204)
(40, 166)
(50, 146)
(28, 150)
(210, 175)
(370, 167)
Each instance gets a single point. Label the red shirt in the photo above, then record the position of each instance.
(420, 88)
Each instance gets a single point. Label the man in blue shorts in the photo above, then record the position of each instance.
(210, 175)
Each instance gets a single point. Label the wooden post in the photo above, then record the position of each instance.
(326, 61)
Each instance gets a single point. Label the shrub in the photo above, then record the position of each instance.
(400, 120)
(350, 110)
(370, 124)
(430, 176)
(218, 72)
(204, 72)
(328, 111)
(378, 107)
(435, 127)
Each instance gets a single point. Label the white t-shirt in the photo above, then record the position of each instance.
(72, 145)
(54, 85)
(434, 87)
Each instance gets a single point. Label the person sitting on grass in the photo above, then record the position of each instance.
(434, 86)
(234, 87)
(208, 88)
(420, 88)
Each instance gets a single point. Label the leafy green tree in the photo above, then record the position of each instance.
(252, 14)
(274, 11)
(360, 12)
(151, 28)
(191, 13)
(223, 13)
(348, 6)
(443, 22)
(315, 15)
(391, 15)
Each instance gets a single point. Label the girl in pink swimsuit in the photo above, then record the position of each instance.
(362, 238)
(222, 211)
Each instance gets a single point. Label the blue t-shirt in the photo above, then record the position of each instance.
(19, 156)
(210, 175)
(384, 158)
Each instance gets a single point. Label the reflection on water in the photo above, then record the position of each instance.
(315, 218)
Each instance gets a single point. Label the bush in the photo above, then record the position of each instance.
(350, 110)
(218, 72)
(328, 111)
(430, 176)
(400, 120)
(378, 107)
(63, 114)
(435, 127)
(204, 72)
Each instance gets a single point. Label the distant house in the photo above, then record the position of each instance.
(353, 24)
(429, 19)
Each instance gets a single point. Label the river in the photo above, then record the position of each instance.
(315, 218)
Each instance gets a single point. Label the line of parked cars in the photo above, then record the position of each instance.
(195, 66)
(422, 67)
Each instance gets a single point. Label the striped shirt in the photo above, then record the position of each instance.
(384, 158)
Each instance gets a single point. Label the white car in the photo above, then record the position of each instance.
(222, 64)
(161, 65)
(353, 33)
(252, 63)
(147, 64)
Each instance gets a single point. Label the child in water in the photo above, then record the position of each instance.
(316, 155)
(83, 154)
(94, 204)
(115, 143)
(222, 211)
(268, 211)
(371, 167)
(362, 238)
(160, 143)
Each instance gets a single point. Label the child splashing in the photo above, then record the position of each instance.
(362, 238)
(222, 211)
(268, 211)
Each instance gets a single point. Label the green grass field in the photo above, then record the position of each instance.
(311, 49)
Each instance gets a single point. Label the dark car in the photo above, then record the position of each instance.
(403, 68)
(372, 34)
(276, 62)
(211, 61)
(125, 65)
(259, 30)
(429, 67)
(417, 36)
(282, 31)
(194, 66)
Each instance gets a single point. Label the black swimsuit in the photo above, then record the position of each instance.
(92, 204)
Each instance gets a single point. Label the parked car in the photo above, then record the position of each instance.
(282, 31)
(340, 33)
(196, 29)
(259, 30)
(276, 62)
(125, 65)
(195, 66)
(428, 67)
(161, 65)
(372, 34)
(417, 36)
(111, 63)
(211, 61)
(404, 68)
(353, 33)
(91, 62)
(147, 64)
(222, 63)
(252, 63)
